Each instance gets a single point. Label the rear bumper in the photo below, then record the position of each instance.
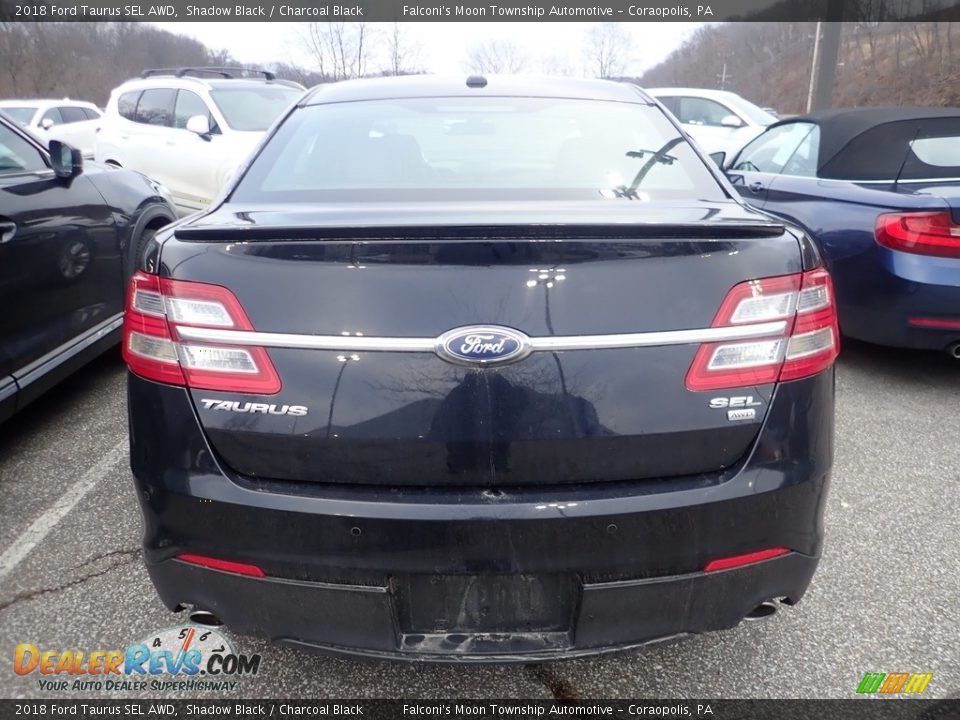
(470, 575)
(900, 301)
(362, 621)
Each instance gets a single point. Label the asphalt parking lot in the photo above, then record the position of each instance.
(884, 598)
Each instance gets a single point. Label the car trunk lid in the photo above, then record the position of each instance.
(354, 300)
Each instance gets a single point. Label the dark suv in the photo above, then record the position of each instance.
(488, 369)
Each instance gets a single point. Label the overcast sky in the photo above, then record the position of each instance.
(443, 46)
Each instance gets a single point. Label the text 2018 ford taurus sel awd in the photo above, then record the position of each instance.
(480, 369)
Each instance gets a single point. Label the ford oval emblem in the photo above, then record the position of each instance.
(483, 345)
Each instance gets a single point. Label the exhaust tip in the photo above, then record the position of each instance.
(767, 608)
(205, 618)
(953, 350)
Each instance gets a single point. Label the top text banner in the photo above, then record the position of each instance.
(476, 10)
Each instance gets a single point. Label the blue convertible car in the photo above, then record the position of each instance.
(879, 190)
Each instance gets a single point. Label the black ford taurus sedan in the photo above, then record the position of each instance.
(69, 231)
(480, 369)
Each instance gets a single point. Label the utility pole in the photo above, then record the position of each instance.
(827, 71)
(813, 67)
(723, 77)
(826, 52)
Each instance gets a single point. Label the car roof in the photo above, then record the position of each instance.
(840, 127)
(45, 103)
(188, 81)
(412, 86)
(695, 92)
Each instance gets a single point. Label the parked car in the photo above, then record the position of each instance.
(68, 234)
(188, 130)
(878, 189)
(483, 369)
(69, 121)
(718, 120)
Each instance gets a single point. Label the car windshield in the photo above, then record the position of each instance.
(254, 108)
(477, 148)
(22, 114)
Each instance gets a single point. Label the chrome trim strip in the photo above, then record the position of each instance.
(66, 352)
(891, 181)
(657, 339)
(352, 343)
(901, 181)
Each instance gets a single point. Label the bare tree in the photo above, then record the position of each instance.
(557, 64)
(495, 56)
(15, 56)
(607, 50)
(86, 60)
(340, 50)
(403, 52)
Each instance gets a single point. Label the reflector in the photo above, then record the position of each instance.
(746, 559)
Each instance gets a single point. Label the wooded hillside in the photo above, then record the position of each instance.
(768, 63)
(86, 60)
(904, 63)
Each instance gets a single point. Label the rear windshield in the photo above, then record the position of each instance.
(938, 151)
(22, 115)
(922, 149)
(254, 108)
(436, 149)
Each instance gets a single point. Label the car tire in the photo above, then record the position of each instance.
(147, 227)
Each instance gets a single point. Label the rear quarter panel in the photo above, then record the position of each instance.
(876, 287)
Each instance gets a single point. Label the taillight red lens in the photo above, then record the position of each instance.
(148, 347)
(921, 233)
(815, 340)
(809, 343)
(156, 307)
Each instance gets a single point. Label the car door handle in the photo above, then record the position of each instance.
(7, 231)
(756, 187)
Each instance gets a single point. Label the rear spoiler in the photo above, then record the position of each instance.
(613, 231)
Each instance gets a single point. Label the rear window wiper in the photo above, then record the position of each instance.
(660, 156)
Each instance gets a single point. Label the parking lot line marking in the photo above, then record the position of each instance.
(42, 526)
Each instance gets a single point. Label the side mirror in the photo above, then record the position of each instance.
(46, 123)
(731, 121)
(67, 161)
(719, 158)
(200, 125)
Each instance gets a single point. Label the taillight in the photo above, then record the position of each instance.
(921, 233)
(156, 307)
(809, 343)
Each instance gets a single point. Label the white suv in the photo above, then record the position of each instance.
(719, 120)
(70, 121)
(191, 128)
